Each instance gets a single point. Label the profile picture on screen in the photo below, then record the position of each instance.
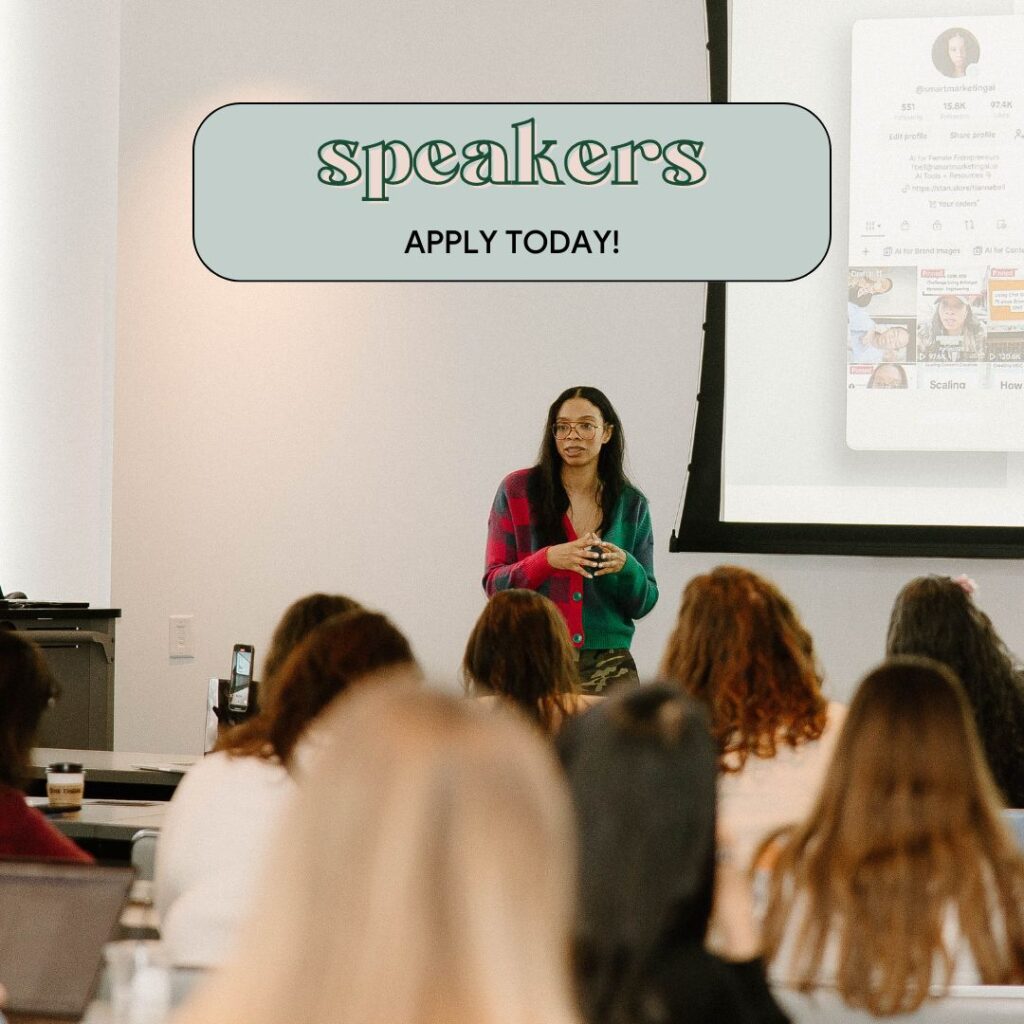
(955, 53)
(953, 331)
(864, 284)
(888, 375)
(870, 341)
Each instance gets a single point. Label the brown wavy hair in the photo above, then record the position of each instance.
(739, 646)
(519, 650)
(333, 656)
(26, 688)
(906, 830)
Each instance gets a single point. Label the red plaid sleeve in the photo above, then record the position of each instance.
(511, 560)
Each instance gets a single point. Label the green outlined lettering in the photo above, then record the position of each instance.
(384, 165)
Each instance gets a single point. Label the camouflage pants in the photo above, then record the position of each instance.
(602, 669)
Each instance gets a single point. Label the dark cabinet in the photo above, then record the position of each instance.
(78, 644)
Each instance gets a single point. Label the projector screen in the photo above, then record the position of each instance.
(884, 392)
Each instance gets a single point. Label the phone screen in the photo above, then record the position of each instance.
(241, 676)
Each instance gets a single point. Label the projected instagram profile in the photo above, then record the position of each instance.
(955, 53)
(952, 334)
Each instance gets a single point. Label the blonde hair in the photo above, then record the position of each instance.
(425, 875)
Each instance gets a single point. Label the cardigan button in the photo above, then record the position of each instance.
(577, 638)
(577, 596)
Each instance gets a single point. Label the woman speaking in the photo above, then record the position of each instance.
(575, 529)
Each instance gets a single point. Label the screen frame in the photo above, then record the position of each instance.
(116, 882)
(701, 527)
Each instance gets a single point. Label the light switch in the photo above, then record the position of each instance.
(181, 641)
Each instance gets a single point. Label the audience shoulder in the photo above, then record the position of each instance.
(836, 716)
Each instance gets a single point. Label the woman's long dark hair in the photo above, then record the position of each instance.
(642, 770)
(548, 499)
(936, 618)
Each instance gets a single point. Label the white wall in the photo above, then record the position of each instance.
(58, 205)
(272, 439)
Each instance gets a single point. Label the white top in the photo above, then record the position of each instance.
(210, 852)
(965, 970)
(774, 791)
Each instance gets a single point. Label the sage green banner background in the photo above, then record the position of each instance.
(762, 212)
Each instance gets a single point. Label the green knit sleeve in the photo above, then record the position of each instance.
(636, 589)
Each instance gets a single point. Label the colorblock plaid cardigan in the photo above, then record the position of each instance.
(599, 612)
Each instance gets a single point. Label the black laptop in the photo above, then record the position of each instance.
(11, 603)
(54, 921)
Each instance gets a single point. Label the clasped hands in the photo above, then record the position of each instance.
(586, 554)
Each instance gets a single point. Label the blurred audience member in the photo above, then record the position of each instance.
(298, 621)
(739, 647)
(27, 689)
(222, 816)
(904, 875)
(423, 875)
(642, 770)
(936, 617)
(520, 653)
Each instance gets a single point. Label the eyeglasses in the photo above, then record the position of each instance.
(585, 430)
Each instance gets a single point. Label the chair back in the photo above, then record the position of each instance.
(144, 853)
